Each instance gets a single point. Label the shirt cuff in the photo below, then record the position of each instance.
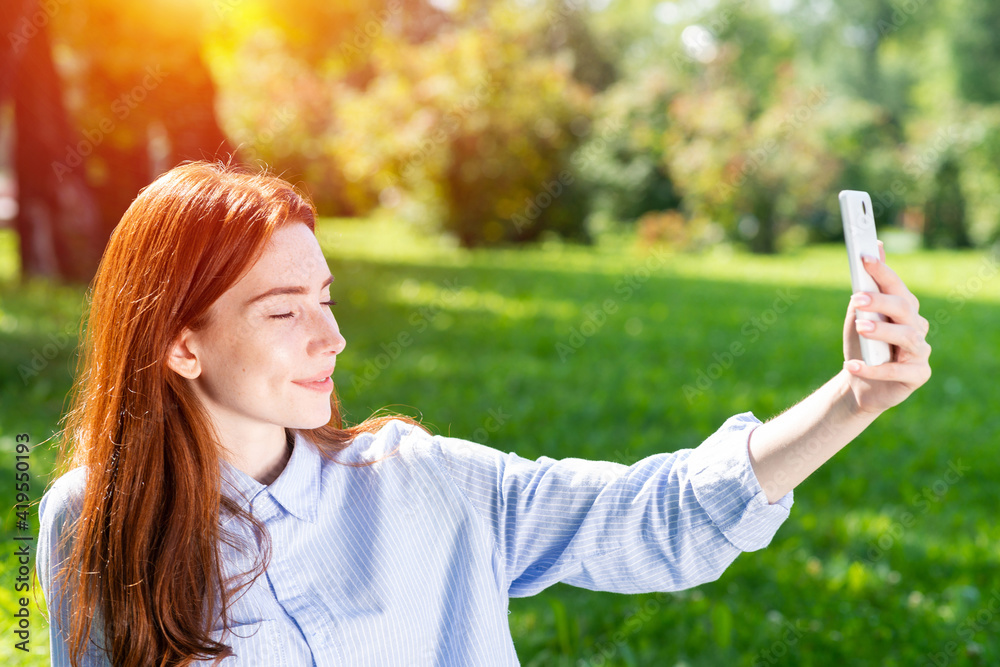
(725, 485)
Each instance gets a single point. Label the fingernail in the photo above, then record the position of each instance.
(860, 299)
(853, 366)
(865, 325)
(868, 259)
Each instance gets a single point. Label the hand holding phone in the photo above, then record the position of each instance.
(859, 234)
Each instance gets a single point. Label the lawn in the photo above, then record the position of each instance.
(617, 352)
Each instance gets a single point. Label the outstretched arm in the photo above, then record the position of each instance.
(789, 447)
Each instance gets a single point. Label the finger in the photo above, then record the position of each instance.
(903, 336)
(881, 251)
(886, 279)
(852, 344)
(896, 308)
(906, 373)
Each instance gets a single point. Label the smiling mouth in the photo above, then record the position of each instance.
(326, 384)
(319, 382)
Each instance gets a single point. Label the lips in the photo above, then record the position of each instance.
(316, 379)
(320, 382)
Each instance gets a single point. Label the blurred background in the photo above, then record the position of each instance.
(691, 122)
(594, 200)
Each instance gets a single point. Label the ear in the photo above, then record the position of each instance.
(181, 358)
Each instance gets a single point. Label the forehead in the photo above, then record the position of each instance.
(291, 257)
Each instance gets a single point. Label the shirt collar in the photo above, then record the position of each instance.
(296, 488)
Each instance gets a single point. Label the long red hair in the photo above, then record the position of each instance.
(144, 552)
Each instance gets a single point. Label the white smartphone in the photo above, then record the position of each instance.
(859, 233)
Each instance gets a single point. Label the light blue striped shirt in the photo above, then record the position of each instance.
(412, 560)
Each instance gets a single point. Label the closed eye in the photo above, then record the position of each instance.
(287, 315)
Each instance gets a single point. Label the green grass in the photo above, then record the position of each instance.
(481, 345)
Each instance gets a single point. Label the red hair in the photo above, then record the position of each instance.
(144, 557)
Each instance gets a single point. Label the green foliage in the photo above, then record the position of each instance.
(502, 121)
(486, 147)
(977, 51)
(887, 558)
(976, 149)
(624, 155)
(756, 176)
(470, 127)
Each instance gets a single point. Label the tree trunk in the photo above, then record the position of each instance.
(764, 241)
(57, 220)
(944, 212)
(190, 123)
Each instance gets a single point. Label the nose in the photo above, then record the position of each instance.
(339, 342)
(327, 337)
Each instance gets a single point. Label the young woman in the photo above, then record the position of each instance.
(216, 509)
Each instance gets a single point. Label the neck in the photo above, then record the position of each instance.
(262, 459)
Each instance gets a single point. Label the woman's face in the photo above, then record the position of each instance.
(266, 356)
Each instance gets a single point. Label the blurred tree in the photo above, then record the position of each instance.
(58, 221)
(461, 117)
(567, 29)
(944, 213)
(136, 117)
(141, 94)
(624, 158)
(755, 174)
(860, 134)
(975, 144)
(889, 62)
(470, 129)
(976, 49)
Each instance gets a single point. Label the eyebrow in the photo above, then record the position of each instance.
(290, 289)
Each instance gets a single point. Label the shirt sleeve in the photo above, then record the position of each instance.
(58, 508)
(668, 522)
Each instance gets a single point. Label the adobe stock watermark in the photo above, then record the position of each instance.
(793, 120)
(552, 189)
(750, 333)
(596, 146)
(960, 294)
(419, 320)
(277, 124)
(697, 44)
(902, 12)
(534, 206)
(43, 356)
(606, 650)
(423, 496)
(451, 123)
(974, 623)
(223, 7)
(21, 560)
(916, 166)
(121, 107)
(596, 317)
(365, 35)
(556, 15)
(495, 419)
(27, 27)
(777, 652)
(802, 458)
(920, 505)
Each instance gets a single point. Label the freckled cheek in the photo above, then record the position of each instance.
(267, 354)
(276, 359)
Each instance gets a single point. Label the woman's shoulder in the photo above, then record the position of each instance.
(400, 439)
(394, 437)
(64, 497)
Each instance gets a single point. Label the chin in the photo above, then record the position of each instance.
(314, 420)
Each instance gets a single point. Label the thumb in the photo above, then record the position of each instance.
(852, 342)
